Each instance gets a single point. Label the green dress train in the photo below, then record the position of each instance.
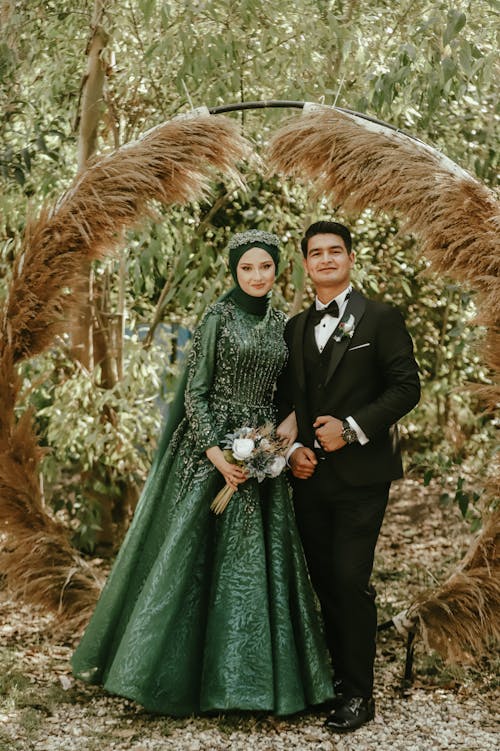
(203, 613)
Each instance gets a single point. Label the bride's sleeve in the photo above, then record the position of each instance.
(200, 375)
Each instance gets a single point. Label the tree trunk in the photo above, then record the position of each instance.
(91, 104)
(97, 334)
(92, 100)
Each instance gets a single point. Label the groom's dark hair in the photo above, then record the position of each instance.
(326, 228)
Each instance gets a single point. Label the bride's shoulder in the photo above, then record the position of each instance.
(216, 308)
(280, 317)
(218, 311)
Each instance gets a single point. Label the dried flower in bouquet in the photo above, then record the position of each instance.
(259, 451)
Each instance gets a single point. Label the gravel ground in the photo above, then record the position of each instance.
(43, 709)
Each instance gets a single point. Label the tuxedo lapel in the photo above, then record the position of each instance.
(298, 349)
(355, 306)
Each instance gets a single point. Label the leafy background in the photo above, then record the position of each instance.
(428, 68)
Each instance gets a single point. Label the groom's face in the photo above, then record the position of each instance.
(328, 263)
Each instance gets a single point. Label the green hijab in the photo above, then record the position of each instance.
(237, 246)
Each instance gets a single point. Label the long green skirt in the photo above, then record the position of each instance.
(203, 613)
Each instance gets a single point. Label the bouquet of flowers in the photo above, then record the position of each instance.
(258, 450)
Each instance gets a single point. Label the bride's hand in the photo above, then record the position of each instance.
(233, 474)
(288, 430)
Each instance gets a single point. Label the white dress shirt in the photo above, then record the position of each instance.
(325, 328)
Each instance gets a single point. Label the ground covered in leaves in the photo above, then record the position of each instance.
(42, 708)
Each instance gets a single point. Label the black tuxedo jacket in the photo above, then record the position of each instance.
(372, 377)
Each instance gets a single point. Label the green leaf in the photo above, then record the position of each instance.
(456, 22)
(297, 274)
(40, 142)
(406, 286)
(465, 57)
(463, 502)
(19, 176)
(147, 7)
(476, 524)
(27, 158)
(150, 51)
(448, 69)
(433, 96)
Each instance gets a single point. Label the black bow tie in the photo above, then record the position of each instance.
(330, 310)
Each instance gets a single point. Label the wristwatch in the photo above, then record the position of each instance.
(348, 434)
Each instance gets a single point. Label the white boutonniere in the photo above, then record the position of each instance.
(345, 329)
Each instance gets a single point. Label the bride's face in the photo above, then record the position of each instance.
(256, 272)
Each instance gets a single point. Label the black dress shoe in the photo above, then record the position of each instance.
(350, 715)
(338, 694)
(329, 705)
(338, 697)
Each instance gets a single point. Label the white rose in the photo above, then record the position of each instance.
(349, 324)
(242, 448)
(277, 466)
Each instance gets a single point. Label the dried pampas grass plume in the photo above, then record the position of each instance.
(361, 164)
(170, 164)
(36, 557)
(462, 616)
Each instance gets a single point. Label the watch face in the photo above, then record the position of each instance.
(349, 434)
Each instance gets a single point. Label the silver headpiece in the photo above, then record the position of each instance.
(253, 236)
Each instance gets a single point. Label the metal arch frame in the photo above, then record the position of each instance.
(292, 104)
(375, 124)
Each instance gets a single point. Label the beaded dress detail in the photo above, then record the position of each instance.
(203, 613)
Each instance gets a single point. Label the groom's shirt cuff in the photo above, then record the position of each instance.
(290, 451)
(362, 437)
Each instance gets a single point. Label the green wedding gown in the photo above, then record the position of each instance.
(203, 613)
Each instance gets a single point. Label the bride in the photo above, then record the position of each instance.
(205, 613)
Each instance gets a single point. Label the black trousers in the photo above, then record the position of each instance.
(339, 526)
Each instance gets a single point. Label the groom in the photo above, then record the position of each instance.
(351, 376)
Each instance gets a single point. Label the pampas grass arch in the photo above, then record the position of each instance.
(347, 156)
(171, 164)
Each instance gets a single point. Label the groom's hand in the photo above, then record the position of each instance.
(329, 433)
(303, 463)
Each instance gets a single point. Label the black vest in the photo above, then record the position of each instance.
(316, 369)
